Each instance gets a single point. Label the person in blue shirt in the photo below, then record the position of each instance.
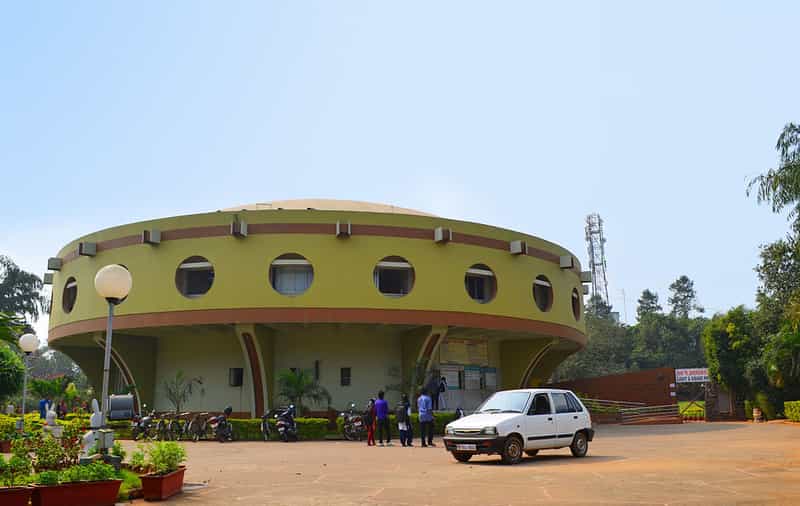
(425, 408)
(382, 418)
(43, 409)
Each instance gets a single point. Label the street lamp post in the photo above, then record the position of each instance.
(113, 283)
(28, 344)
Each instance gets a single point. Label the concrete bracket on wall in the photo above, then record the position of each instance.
(254, 368)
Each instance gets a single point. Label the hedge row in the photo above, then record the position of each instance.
(792, 410)
(249, 429)
(33, 425)
(440, 420)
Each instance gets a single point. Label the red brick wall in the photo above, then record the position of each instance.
(651, 387)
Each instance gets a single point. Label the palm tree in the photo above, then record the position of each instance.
(781, 186)
(180, 388)
(10, 327)
(295, 386)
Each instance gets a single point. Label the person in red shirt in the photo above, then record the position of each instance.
(369, 422)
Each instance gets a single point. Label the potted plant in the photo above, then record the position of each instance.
(165, 472)
(15, 475)
(94, 484)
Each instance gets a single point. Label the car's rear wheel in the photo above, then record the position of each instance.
(532, 453)
(580, 445)
(462, 457)
(512, 451)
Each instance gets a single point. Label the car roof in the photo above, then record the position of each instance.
(536, 390)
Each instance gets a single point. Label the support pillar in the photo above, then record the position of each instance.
(254, 369)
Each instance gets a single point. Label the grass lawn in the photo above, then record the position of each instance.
(698, 408)
(130, 481)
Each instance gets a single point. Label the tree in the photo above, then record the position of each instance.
(11, 373)
(683, 298)
(180, 389)
(598, 308)
(732, 347)
(608, 350)
(648, 304)
(51, 389)
(10, 328)
(295, 386)
(20, 291)
(780, 187)
(779, 280)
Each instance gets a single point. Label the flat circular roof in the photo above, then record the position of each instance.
(327, 205)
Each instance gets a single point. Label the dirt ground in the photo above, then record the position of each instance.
(693, 463)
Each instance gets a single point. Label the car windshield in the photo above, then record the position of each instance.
(505, 402)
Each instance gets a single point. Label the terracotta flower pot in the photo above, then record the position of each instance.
(157, 487)
(5, 446)
(89, 493)
(15, 496)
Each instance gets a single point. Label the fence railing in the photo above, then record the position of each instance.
(650, 414)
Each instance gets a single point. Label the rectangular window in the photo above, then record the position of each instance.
(291, 279)
(574, 405)
(560, 402)
(540, 405)
(344, 376)
(394, 278)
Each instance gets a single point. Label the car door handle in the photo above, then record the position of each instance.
(550, 419)
(574, 417)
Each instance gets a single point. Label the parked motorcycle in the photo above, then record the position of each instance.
(353, 428)
(143, 426)
(285, 424)
(221, 427)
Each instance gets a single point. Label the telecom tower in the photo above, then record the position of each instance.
(595, 243)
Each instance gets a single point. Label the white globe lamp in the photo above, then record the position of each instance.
(113, 283)
(28, 343)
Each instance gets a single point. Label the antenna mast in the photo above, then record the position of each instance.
(595, 244)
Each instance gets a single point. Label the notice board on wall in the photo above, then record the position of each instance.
(472, 377)
(464, 351)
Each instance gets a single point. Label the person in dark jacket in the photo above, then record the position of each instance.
(403, 414)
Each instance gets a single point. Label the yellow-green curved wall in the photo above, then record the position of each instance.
(342, 268)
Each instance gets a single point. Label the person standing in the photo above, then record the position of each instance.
(382, 417)
(43, 408)
(431, 388)
(369, 422)
(442, 404)
(403, 414)
(425, 408)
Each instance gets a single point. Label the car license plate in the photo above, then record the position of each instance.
(357, 424)
(466, 448)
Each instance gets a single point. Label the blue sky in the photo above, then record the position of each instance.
(527, 115)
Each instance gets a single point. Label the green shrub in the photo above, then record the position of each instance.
(130, 482)
(47, 478)
(138, 461)
(440, 421)
(7, 428)
(16, 471)
(767, 408)
(48, 454)
(164, 457)
(792, 410)
(309, 429)
(118, 451)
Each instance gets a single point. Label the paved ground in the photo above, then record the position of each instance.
(720, 463)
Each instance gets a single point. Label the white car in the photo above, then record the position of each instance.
(513, 422)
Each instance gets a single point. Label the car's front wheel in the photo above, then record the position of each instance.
(512, 451)
(580, 445)
(462, 457)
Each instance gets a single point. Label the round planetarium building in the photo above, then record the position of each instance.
(362, 296)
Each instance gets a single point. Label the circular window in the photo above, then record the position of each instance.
(543, 293)
(481, 283)
(576, 304)
(291, 274)
(194, 277)
(394, 276)
(69, 295)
